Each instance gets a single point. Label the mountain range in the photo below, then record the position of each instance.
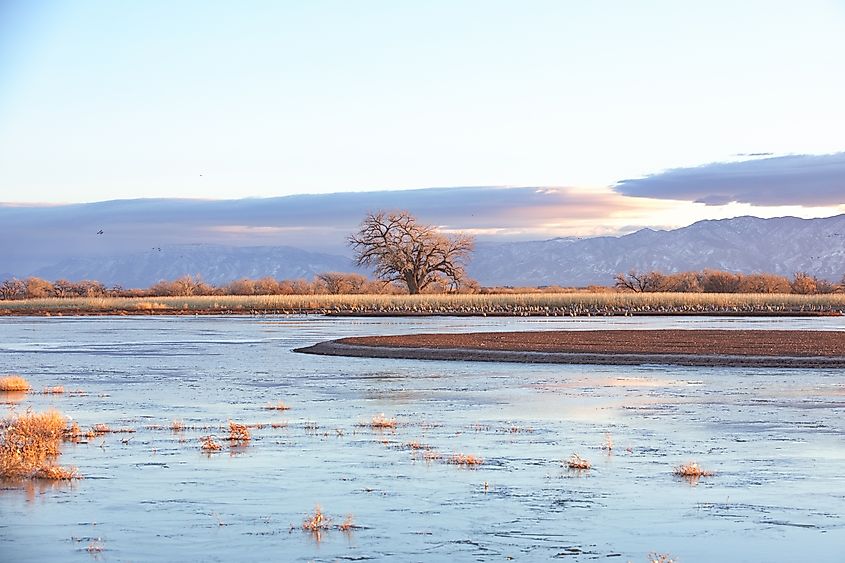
(782, 246)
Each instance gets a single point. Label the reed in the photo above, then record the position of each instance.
(516, 304)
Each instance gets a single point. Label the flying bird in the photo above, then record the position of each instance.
(100, 232)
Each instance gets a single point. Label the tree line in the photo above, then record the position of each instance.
(322, 284)
(336, 283)
(718, 281)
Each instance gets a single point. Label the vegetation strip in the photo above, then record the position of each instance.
(751, 348)
(514, 304)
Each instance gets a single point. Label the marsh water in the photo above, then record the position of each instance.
(775, 439)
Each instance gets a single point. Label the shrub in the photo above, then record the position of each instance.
(29, 445)
(381, 421)
(693, 470)
(209, 444)
(467, 460)
(577, 462)
(238, 432)
(14, 383)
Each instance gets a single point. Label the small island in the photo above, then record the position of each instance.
(728, 348)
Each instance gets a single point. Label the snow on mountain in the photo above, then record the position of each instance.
(782, 246)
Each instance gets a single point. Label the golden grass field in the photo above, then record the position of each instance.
(506, 304)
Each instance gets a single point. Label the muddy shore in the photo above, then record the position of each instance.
(730, 348)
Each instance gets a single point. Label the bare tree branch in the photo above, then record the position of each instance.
(401, 250)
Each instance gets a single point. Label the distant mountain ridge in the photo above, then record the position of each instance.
(782, 246)
(215, 264)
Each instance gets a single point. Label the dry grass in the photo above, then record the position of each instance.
(101, 428)
(381, 421)
(278, 406)
(655, 557)
(239, 432)
(177, 425)
(73, 433)
(57, 390)
(608, 442)
(317, 522)
(691, 470)
(12, 383)
(431, 455)
(29, 445)
(575, 461)
(416, 445)
(56, 473)
(347, 524)
(466, 460)
(209, 444)
(95, 547)
(320, 522)
(574, 303)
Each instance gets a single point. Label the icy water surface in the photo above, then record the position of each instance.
(774, 438)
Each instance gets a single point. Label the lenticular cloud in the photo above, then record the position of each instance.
(807, 180)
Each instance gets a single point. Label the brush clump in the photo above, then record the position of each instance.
(575, 461)
(277, 406)
(29, 446)
(467, 460)
(692, 470)
(239, 433)
(12, 383)
(209, 444)
(317, 522)
(380, 421)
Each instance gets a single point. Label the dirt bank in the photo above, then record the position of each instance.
(757, 348)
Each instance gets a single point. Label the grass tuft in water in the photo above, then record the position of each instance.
(11, 383)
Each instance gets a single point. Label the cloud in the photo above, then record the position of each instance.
(45, 235)
(806, 180)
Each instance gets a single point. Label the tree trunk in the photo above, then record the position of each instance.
(411, 282)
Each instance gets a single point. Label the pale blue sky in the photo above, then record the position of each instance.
(106, 99)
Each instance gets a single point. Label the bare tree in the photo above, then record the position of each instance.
(640, 282)
(36, 288)
(62, 288)
(764, 283)
(717, 281)
(803, 283)
(401, 250)
(12, 289)
(339, 282)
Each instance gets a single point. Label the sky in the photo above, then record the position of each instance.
(653, 113)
